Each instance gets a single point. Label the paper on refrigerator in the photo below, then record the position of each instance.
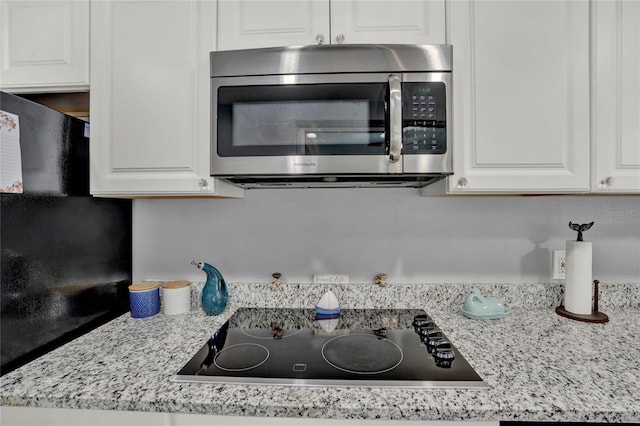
(10, 156)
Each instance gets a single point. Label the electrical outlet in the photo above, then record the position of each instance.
(331, 279)
(558, 264)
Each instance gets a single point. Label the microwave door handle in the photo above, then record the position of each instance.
(395, 118)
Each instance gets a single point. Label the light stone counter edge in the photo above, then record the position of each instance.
(539, 366)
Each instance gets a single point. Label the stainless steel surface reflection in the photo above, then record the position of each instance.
(332, 116)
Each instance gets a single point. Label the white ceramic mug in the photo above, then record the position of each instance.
(176, 297)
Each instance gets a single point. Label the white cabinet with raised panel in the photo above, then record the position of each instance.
(29, 416)
(23, 416)
(616, 97)
(246, 24)
(44, 46)
(205, 420)
(150, 111)
(521, 96)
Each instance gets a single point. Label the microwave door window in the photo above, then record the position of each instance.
(317, 120)
(331, 139)
(264, 124)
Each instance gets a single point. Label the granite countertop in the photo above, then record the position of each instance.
(539, 366)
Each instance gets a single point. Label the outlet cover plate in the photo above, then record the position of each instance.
(558, 265)
(331, 279)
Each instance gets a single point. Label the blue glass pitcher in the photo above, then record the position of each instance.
(214, 293)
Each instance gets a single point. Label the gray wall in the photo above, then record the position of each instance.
(365, 231)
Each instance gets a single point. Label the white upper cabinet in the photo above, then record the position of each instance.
(616, 97)
(150, 99)
(44, 46)
(247, 24)
(521, 96)
(244, 24)
(391, 21)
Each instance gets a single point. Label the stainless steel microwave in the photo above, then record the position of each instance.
(332, 116)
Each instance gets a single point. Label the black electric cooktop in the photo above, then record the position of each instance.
(360, 347)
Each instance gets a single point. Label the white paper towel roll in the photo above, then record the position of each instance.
(578, 291)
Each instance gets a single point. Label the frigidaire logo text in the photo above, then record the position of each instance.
(305, 164)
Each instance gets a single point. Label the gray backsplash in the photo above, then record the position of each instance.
(361, 232)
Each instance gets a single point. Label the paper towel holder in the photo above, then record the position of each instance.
(595, 316)
(580, 229)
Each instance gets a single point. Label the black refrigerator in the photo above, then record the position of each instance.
(66, 256)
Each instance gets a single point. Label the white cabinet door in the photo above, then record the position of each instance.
(44, 46)
(616, 98)
(249, 24)
(29, 416)
(150, 99)
(202, 420)
(23, 416)
(398, 21)
(521, 96)
(245, 24)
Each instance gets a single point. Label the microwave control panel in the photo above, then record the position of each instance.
(424, 122)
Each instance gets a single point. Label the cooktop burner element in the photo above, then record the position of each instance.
(364, 347)
(241, 357)
(362, 354)
(273, 333)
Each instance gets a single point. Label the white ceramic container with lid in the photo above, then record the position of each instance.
(176, 297)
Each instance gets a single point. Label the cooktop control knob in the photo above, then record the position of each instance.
(443, 354)
(433, 338)
(420, 320)
(425, 329)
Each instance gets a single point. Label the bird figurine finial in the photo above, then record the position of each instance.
(580, 228)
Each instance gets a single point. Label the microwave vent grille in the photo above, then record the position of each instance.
(334, 181)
